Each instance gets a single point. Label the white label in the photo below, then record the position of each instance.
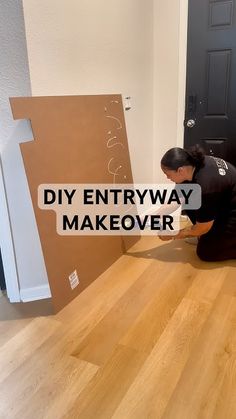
(74, 279)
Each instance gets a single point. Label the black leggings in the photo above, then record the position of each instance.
(217, 244)
(216, 247)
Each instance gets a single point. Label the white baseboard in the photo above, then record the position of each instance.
(35, 293)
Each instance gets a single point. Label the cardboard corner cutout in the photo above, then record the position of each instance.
(70, 146)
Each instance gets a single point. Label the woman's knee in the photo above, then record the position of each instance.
(216, 250)
(206, 254)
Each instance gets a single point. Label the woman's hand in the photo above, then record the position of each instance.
(166, 238)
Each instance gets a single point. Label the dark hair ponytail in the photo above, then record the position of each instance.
(177, 157)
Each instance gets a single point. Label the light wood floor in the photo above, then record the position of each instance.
(153, 337)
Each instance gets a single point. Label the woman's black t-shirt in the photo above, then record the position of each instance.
(217, 179)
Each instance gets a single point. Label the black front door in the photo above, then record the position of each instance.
(210, 113)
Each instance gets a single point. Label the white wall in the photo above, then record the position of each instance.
(21, 250)
(170, 43)
(133, 47)
(96, 47)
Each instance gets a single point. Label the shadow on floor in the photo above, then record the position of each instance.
(14, 311)
(179, 251)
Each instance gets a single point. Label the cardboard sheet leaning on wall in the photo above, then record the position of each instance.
(77, 139)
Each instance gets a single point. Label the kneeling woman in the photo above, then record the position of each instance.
(215, 222)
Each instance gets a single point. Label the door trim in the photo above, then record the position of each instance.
(183, 39)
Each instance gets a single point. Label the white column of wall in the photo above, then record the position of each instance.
(23, 261)
(170, 45)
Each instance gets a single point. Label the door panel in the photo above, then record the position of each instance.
(211, 78)
(218, 68)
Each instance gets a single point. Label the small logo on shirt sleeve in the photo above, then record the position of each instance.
(222, 172)
(221, 164)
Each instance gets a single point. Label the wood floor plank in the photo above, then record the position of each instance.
(15, 316)
(105, 391)
(115, 324)
(207, 284)
(8, 329)
(225, 406)
(111, 283)
(159, 375)
(58, 391)
(152, 321)
(161, 327)
(201, 381)
(92, 305)
(32, 371)
(96, 300)
(229, 285)
(20, 347)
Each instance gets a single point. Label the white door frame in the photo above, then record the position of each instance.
(183, 38)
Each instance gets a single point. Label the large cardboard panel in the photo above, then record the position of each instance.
(70, 146)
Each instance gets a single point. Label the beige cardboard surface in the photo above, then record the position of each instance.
(70, 146)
